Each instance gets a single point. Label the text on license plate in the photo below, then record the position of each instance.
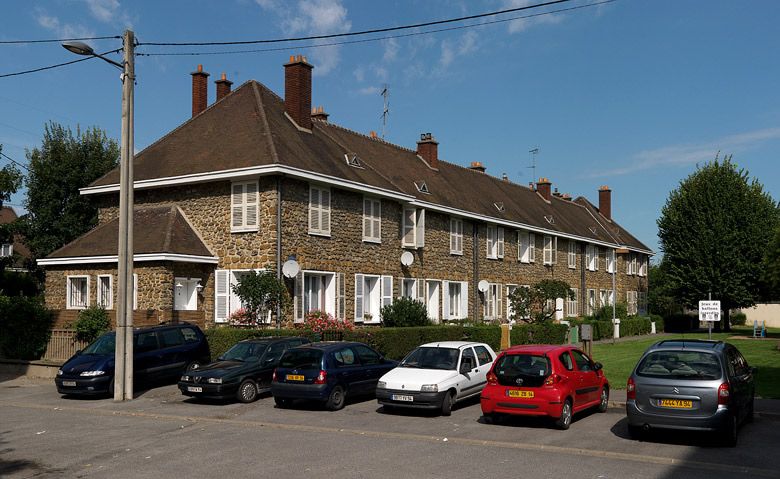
(194, 389)
(295, 377)
(402, 397)
(676, 403)
(514, 393)
(69, 383)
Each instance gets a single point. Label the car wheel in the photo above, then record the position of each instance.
(282, 402)
(564, 421)
(336, 399)
(635, 432)
(730, 431)
(446, 404)
(247, 391)
(604, 403)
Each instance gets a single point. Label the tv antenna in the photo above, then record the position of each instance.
(533, 152)
(386, 110)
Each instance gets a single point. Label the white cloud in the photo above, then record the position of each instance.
(360, 74)
(451, 50)
(370, 90)
(681, 155)
(103, 10)
(520, 25)
(63, 30)
(391, 47)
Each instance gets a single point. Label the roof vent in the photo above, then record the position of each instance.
(593, 230)
(549, 219)
(499, 206)
(353, 160)
(422, 187)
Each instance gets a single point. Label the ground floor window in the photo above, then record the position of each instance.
(510, 312)
(571, 304)
(372, 293)
(226, 301)
(455, 300)
(642, 303)
(105, 294)
(493, 302)
(409, 288)
(631, 299)
(607, 297)
(590, 305)
(77, 292)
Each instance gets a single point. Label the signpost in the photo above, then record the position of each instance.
(709, 312)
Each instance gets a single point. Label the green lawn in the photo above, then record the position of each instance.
(620, 358)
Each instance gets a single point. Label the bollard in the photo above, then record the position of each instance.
(506, 341)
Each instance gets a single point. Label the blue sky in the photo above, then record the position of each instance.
(630, 94)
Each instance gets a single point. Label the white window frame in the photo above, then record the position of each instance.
(610, 260)
(455, 306)
(642, 266)
(372, 220)
(510, 288)
(550, 251)
(381, 295)
(68, 291)
(244, 205)
(106, 303)
(606, 297)
(591, 302)
(526, 247)
(571, 257)
(572, 305)
(494, 243)
(456, 236)
(493, 308)
(319, 210)
(6, 250)
(413, 227)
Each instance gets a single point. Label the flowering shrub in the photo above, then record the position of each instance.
(241, 317)
(321, 322)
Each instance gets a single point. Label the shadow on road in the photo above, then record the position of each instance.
(10, 465)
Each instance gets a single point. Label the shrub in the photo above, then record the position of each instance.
(738, 319)
(604, 313)
(680, 323)
(25, 327)
(405, 312)
(91, 323)
(222, 338)
(260, 293)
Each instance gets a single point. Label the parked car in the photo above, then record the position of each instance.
(544, 380)
(159, 353)
(328, 372)
(244, 371)
(692, 385)
(436, 376)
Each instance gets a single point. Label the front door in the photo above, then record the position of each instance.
(434, 300)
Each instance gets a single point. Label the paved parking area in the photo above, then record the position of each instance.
(163, 433)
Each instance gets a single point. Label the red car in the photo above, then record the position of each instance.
(544, 380)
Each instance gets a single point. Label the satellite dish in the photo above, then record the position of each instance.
(407, 258)
(290, 268)
(483, 286)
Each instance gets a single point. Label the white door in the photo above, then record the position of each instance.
(185, 294)
(434, 300)
(559, 309)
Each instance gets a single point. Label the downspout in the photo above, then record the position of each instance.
(475, 281)
(279, 245)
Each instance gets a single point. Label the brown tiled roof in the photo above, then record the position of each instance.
(161, 229)
(621, 235)
(249, 128)
(20, 249)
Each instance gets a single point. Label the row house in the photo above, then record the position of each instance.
(254, 182)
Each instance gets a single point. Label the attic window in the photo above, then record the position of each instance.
(499, 206)
(353, 160)
(549, 219)
(422, 187)
(593, 230)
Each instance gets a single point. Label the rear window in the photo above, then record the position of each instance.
(680, 365)
(526, 370)
(301, 359)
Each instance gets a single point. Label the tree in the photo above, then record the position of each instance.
(260, 293)
(714, 230)
(10, 182)
(771, 277)
(660, 297)
(57, 213)
(537, 303)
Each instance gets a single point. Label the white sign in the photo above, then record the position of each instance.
(709, 311)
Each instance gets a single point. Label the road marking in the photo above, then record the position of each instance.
(573, 451)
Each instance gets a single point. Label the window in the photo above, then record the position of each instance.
(372, 292)
(372, 220)
(492, 308)
(592, 257)
(367, 355)
(145, 342)
(610, 258)
(583, 362)
(631, 299)
(455, 299)
(413, 228)
(550, 252)
(572, 256)
(510, 313)
(105, 296)
(606, 297)
(631, 264)
(321, 291)
(483, 355)
(244, 206)
(591, 303)
(315, 292)
(78, 292)
(345, 357)
(526, 247)
(170, 338)
(319, 211)
(6, 250)
(643, 267)
(409, 288)
(566, 361)
(495, 242)
(642, 303)
(572, 304)
(456, 236)
(190, 336)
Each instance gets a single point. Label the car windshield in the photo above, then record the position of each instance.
(431, 358)
(102, 345)
(305, 358)
(244, 352)
(524, 370)
(680, 365)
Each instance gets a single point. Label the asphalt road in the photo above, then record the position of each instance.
(163, 434)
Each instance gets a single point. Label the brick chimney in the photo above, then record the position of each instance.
(223, 87)
(428, 149)
(297, 90)
(543, 187)
(477, 166)
(605, 202)
(319, 114)
(200, 90)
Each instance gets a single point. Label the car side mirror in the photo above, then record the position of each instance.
(597, 366)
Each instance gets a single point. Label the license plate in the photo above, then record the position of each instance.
(676, 403)
(402, 397)
(69, 383)
(194, 389)
(295, 377)
(514, 393)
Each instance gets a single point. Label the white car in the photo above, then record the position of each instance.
(436, 376)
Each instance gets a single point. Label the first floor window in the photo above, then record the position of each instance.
(495, 242)
(492, 308)
(244, 206)
(550, 249)
(78, 292)
(319, 211)
(455, 299)
(572, 256)
(456, 236)
(105, 295)
(6, 249)
(610, 254)
(525, 247)
(571, 304)
(413, 228)
(590, 305)
(372, 220)
(372, 293)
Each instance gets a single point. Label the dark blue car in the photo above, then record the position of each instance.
(328, 372)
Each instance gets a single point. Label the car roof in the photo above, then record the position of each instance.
(697, 344)
(329, 345)
(164, 326)
(450, 344)
(269, 339)
(538, 348)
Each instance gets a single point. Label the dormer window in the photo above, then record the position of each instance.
(422, 187)
(354, 161)
(500, 206)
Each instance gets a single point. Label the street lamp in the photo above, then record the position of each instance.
(123, 369)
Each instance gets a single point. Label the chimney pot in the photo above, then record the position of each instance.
(605, 202)
(428, 149)
(200, 90)
(543, 186)
(223, 87)
(318, 113)
(297, 91)
(505, 177)
(477, 166)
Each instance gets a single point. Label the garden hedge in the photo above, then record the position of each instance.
(25, 327)
(632, 326)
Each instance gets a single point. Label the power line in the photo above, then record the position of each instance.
(364, 32)
(376, 39)
(56, 66)
(54, 40)
(14, 161)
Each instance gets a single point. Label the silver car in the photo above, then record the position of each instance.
(691, 385)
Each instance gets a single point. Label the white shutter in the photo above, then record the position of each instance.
(237, 200)
(135, 291)
(298, 299)
(314, 209)
(596, 253)
(547, 251)
(420, 234)
(499, 302)
(464, 300)
(358, 297)
(460, 236)
(421, 291)
(555, 250)
(387, 290)
(531, 248)
(221, 291)
(409, 230)
(377, 220)
(445, 299)
(325, 211)
(500, 242)
(340, 296)
(522, 246)
(251, 203)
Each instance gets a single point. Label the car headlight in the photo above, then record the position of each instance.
(381, 384)
(186, 378)
(92, 373)
(430, 388)
(59, 372)
(215, 380)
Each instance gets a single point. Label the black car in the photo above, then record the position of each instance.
(328, 372)
(243, 372)
(160, 353)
